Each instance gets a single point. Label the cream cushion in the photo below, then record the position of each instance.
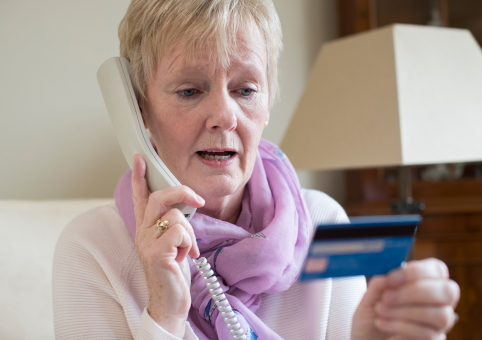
(29, 231)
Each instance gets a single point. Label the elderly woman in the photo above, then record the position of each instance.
(205, 71)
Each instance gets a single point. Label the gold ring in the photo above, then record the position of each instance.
(162, 226)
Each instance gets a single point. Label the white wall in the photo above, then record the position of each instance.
(55, 137)
(307, 24)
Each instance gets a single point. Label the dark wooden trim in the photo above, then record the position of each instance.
(353, 16)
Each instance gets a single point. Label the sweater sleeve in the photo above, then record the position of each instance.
(150, 329)
(87, 283)
(347, 292)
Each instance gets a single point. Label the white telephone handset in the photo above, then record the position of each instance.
(121, 102)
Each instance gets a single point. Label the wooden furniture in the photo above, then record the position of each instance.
(360, 15)
(452, 226)
(451, 231)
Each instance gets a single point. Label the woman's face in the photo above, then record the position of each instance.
(206, 120)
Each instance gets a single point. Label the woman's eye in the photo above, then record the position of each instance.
(187, 92)
(246, 92)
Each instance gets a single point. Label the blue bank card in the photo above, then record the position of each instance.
(368, 245)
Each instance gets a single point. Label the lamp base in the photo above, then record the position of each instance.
(407, 206)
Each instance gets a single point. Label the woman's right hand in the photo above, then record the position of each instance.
(164, 257)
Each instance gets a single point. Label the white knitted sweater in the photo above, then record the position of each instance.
(100, 292)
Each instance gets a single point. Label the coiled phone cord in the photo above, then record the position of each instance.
(219, 298)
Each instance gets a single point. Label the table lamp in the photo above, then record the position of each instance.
(401, 95)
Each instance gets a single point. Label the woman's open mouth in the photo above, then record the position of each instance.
(215, 155)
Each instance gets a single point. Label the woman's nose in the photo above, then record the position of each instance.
(221, 112)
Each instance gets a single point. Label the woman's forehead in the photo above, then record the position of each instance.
(247, 51)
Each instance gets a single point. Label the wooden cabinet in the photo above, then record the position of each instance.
(360, 15)
(452, 226)
(451, 230)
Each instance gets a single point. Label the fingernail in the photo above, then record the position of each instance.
(200, 199)
(197, 251)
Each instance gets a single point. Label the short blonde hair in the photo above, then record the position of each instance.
(151, 27)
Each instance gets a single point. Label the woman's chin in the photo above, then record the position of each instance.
(217, 187)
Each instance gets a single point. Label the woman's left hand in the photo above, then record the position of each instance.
(414, 302)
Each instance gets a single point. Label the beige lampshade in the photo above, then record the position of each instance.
(400, 95)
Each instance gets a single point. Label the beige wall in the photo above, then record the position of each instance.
(55, 137)
(307, 24)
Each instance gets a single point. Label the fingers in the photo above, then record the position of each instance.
(140, 192)
(374, 292)
(436, 292)
(149, 207)
(406, 330)
(416, 270)
(176, 218)
(160, 200)
(419, 301)
(440, 319)
(173, 244)
(413, 302)
(179, 241)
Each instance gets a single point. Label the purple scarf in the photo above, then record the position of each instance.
(262, 253)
